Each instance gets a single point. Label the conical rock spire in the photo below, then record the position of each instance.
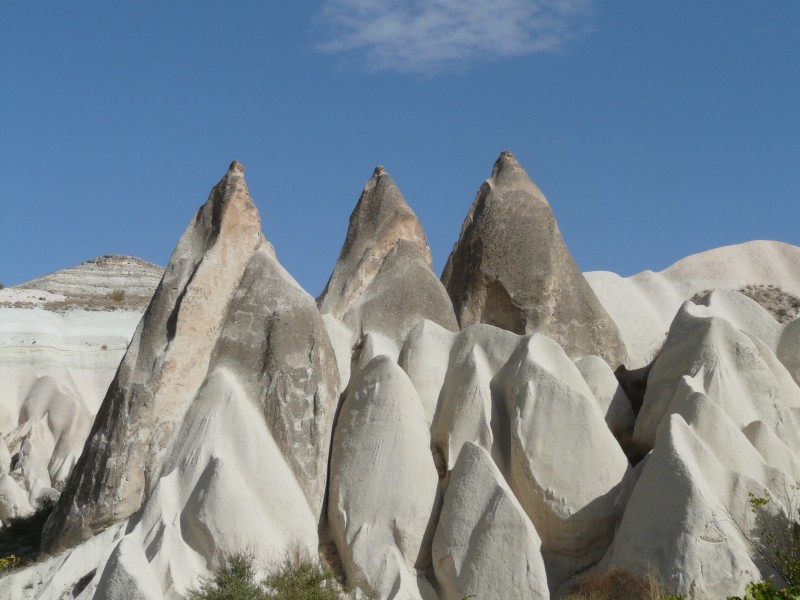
(383, 281)
(163, 368)
(511, 268)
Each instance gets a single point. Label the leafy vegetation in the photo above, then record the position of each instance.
(299, 578)
(765, 590)
(235, 580)
(296, 577)
(619, 584)
(778, 533)
(777, 542)
(11, 562)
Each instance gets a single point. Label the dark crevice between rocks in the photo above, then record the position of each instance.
(81, 584)
(634, 383)
(328, 552)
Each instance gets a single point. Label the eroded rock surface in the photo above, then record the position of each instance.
(383, 283)
(162, 369)
(510, 268)
(384, 485)
(481, 520)
(426, 461)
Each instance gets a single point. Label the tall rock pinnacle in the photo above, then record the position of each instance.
(511, 268)
(384, 281)
(163, 368)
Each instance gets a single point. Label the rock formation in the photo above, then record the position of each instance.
(510, 268)
(163, 367)
(383, 282)
(644, 305)
(383, 531)
(482, 519)
(422, 460)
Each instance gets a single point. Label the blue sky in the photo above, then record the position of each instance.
(656, 128)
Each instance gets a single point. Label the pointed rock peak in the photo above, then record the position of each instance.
(505, 160)
(507, 172)
(384, 190)
(163, 368)
(230, 201)
(511, 268)
(381, 218)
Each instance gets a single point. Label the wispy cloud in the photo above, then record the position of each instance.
(430, 36)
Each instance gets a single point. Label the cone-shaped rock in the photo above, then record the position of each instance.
(511, 268)
(383, 484)
(481, 521)
(163, 368)
(383, 281)
(248, 463)
(274, 342)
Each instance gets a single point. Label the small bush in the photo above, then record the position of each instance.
(774, 535)
(11, 562)
(235, 580)
(618, 584)
(777, 538)
(300, 578)
(764, 590)
(296, 577)
(117, 295)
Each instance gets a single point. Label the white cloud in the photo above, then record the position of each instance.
(429, 36)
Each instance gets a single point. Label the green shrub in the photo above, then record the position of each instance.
(764, 590)
(235, 580)
(117, 295)
(777, 539)
(11, 562)
(300, 578)
(296, 577)
(777, 542)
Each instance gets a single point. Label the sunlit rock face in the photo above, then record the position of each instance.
(383, 283)
(428, 440)
(163, 367)
(511, 268)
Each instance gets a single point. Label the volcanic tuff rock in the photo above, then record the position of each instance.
(383, 532)
(425, 461)
(721, 414)
(510, 268)
(163, 367)
(248, 466)
(644, 304)
(482, 519)
(383, 281)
